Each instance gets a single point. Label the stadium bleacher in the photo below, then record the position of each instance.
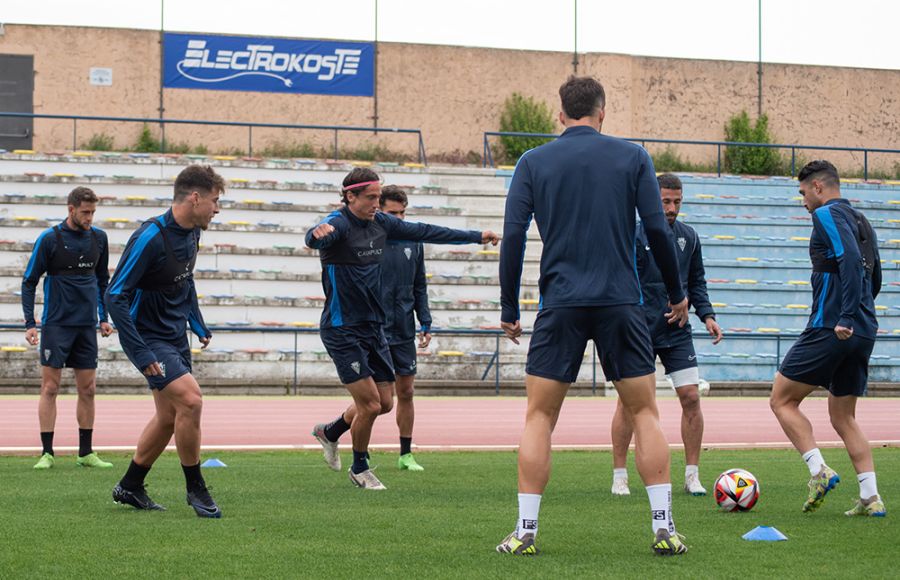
(254, 272)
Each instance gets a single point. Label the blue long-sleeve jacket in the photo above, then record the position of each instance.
(583, 190)
(845, 298)
(351, 258)
(693, 283)
(73, 298)
(152, 293)
(404, 291)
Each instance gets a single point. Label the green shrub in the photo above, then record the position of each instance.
(283, 149)
(523, 115)
(99, 142)
(751, 160)
(456, 157)
(668, 160)
(146, 142)
(372, 152)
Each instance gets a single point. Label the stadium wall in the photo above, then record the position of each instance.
(455, 93)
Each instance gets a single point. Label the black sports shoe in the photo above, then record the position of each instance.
(203, 503)
(137, 499)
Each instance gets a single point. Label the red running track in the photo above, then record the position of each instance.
(451, 423)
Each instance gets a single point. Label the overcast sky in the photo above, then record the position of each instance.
(825, 32)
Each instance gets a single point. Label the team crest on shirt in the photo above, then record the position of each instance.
(355, 366)
(408, 252)
(682, 243)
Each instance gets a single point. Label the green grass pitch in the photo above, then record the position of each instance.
(287, 516)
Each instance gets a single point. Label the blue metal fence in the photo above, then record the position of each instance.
(250, 126)
(488, 159)
(493, 363)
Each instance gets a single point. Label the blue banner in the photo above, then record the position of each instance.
(280, 65)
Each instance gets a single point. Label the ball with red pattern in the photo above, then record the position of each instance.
(737, 490)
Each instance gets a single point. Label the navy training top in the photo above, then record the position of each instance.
(693, 283)
(77, 276)
(846, 298)
(404, 291)
(152, 294)
(351, 258)
(582, 190)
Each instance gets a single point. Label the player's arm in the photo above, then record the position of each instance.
(398, 229)
(516, 221)
(37, 266)
(139, 253)
(659, 234)
(101, 272)
(876, 270)
(698, 295)
(195, 317)
(420, 296)
(327, 232)
(836, 232)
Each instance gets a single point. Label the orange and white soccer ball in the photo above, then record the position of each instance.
(737, 490)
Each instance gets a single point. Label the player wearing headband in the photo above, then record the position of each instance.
(351, 243)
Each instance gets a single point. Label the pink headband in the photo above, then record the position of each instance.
(358, 185)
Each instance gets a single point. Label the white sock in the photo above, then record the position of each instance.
(529, 506)
(867, 484)
(690, 470)
(620, 473)
(661, 507)
(814, 460)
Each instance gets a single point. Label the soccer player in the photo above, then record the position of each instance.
(351, 243)
(404, 294)
(75, 257)
(152, 301)
(582, 191)
(833, 352)
(672, 344)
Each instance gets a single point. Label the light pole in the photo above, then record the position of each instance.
(375, 75)
(575, 51)
(162, 72)
(759, 71)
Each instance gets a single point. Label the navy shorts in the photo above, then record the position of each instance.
(403, 356)
(619, 332)
(174, 358)
(818, 358)
(679, 355)
(69, 346)
(358, 352)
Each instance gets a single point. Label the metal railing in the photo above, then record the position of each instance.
(488, 157)
(494, 361)
(423, 158)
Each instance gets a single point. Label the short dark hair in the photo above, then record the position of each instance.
(393, 193)
(581, 96)
(202, 177)
(81, 195)
(821, 170)
(357, 175)
(669, 181)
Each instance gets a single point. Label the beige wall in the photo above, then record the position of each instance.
(455, 93)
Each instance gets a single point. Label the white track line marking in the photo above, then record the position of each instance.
(346, 447)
